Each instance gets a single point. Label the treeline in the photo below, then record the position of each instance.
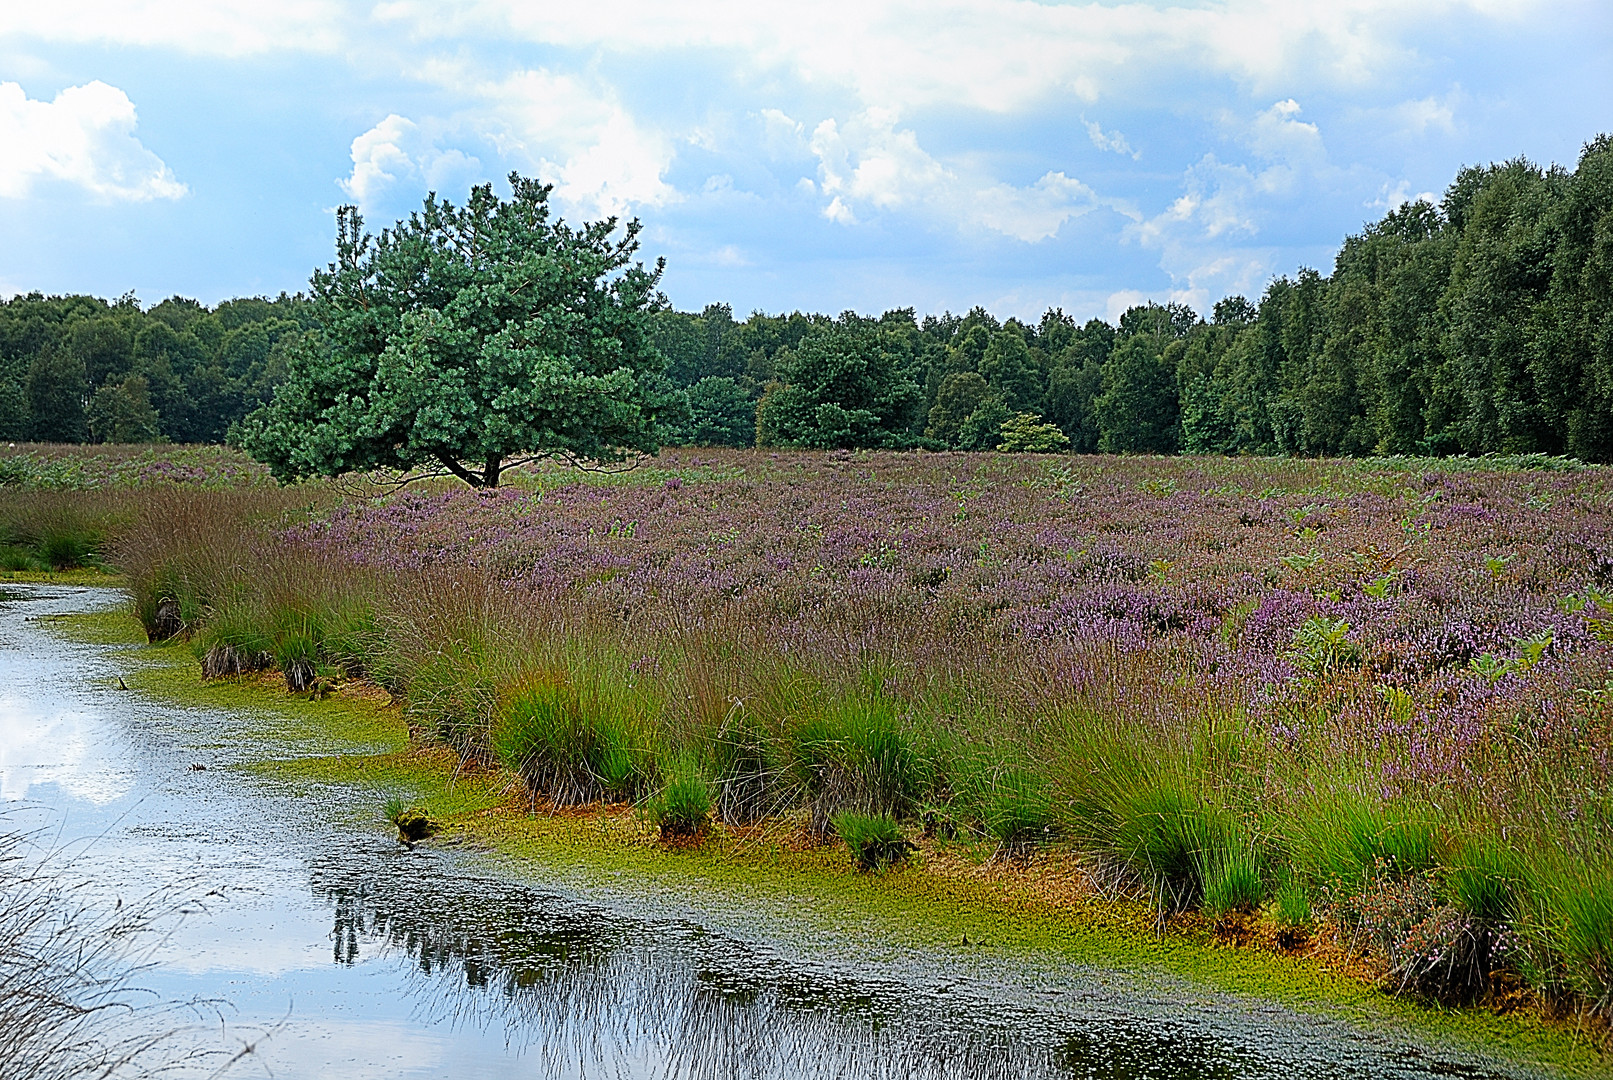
(1483, 324)
(80, 369)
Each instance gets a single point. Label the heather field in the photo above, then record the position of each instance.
(1365, 703)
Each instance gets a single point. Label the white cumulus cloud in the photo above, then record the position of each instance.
(396, 151)
(869, 162)
(84, 137)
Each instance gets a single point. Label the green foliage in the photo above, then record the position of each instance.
(1138, 410)
(122, 413)
(875, 841)
(982, 429)
(1323, 645)
(845, 385)
(76, 367)
(1579, 930)
(1010, 370)
(466, 336)
(959, 394)
(747, 768)
(1026, 434)
(720, 413)
(1016, 807)
(1168, 836)
(1487, 880)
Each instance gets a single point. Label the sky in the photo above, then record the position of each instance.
(843, 154)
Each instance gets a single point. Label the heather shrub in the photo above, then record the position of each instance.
(1239, 680)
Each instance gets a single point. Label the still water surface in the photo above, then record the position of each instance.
(339, 952)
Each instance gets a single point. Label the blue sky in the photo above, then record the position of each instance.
(934, 153)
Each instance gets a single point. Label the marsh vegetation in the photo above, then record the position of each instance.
(1366, 704)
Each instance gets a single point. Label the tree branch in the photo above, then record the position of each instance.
(459, 470)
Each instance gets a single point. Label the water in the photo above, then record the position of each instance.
(332, 950)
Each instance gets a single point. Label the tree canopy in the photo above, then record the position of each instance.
(1482, 323)
(470, 337)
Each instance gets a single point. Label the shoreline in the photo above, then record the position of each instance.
(950, 899)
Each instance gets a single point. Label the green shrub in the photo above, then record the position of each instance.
(1017, 809)
(1291, 905)
(14, 557)
(1344, 839)
(1486, 880)
(683, 805)
(64, 546)
(1578, 928)
(1169, 836)
(352, 636)
(294, 634)
(453, 693)
(874, 840)
(232, 642)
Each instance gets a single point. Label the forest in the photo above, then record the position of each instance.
(1482, 324)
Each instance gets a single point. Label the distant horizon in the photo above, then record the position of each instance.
(1004, 154)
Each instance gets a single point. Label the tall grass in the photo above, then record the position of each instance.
(70, 1002)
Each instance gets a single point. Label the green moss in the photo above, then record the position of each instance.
(84, 575)
(261, 712)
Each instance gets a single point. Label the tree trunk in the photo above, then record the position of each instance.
(490, 474)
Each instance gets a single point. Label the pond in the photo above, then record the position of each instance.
(331, 949)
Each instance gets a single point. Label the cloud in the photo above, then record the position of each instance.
(1111, 140)
(573, 131)
(84, 137)
(996, 55)
(1423, 116)
(210, 27)
(396, 151)
(562, 128)
(1210, 237)
(870, 163)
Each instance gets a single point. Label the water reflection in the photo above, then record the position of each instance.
(47, 735)
(580, 990)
